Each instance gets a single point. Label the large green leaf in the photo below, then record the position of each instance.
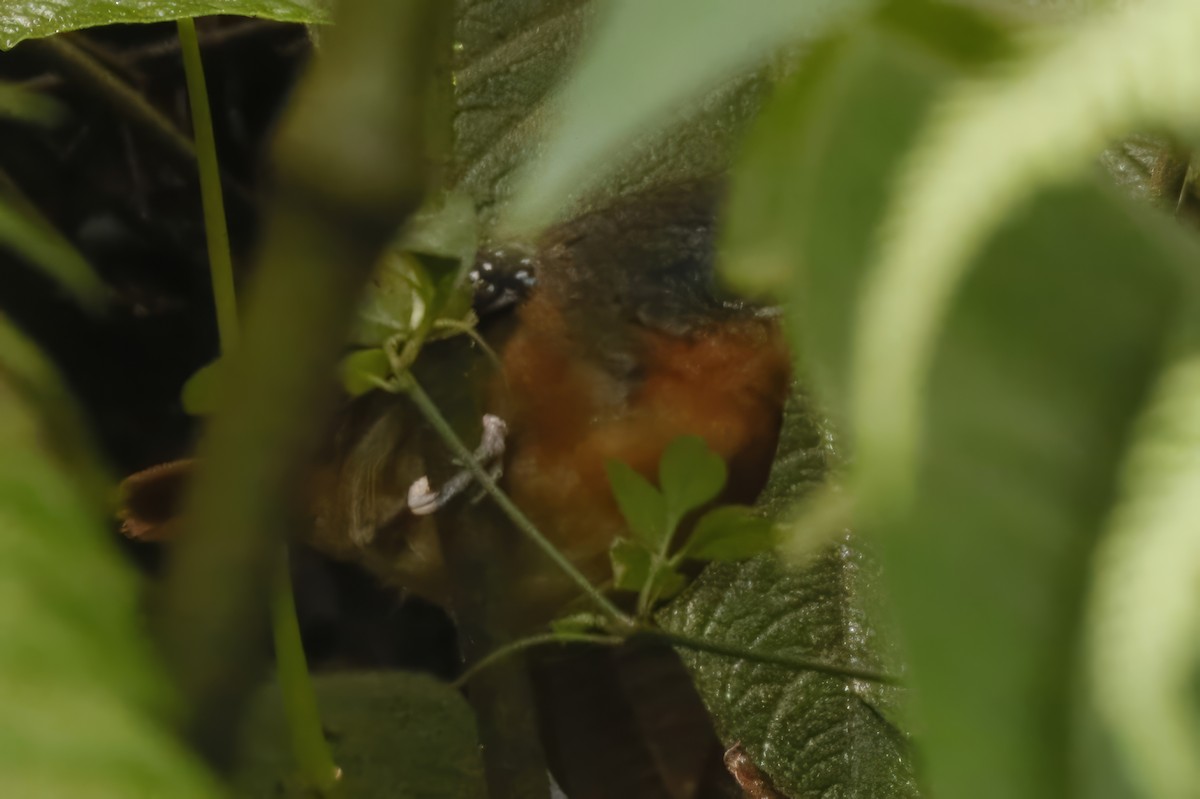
(811, 186)
(1145, 604)
(1041, 120)
(392, 734)
(26, 233)
(512, 53)
(1042, 366)
(645, 63)
(813, 734)
(33, 19)
(83, 703)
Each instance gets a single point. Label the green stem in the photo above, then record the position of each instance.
(219, 258)
(438, 422)
(787, 661)
(522, 644)
(300, 703)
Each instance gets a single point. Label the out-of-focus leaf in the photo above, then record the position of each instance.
(33, 19)
(23, 230)
(730, 533)
(641, 504)
(392, 734)
(1145, 602)
(690, 475)
(993, 142)
(26, 106)
(200, 391)
(813, 734)
(812, 185)
(682, 47)
(512, 54)
(84, 707)
(1038, 376)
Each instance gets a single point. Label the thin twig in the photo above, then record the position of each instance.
(522, 644)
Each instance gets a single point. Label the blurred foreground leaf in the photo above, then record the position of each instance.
(1040, 371)
(393, 735)
(84, 706)
(1145, 604)
(32, 19)
(680, 49)
(991, 145)
(512, 54)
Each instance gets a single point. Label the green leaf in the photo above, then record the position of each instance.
(362, 371)
(392, 734)
(511, 54)
(201, 390)
(642, 505)
(690, 475)
(733, 532)
(26, 106)
(1145, 601)
(23, 230)
(579, 623)
(812, 734)
(992, 144)
(612, 98)
(33, 19)
(1044, 361)
(813, 183)
(85, 707)
(631, 565)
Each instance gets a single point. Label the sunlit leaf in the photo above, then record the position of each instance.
(85, 709)
(645, 63)
(641, 504)
(1145, 604)
(730, 533)
(32, 19)
(690, 475)
(1042, 120)
(392, 734)
(1037, 378)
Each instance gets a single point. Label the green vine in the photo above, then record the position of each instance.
(309, 746)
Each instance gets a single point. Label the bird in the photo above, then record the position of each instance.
(612, 337)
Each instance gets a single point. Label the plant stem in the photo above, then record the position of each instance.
(787, 661)
(217, 234)
(309, 747)
(522, 644)
(438, 422)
